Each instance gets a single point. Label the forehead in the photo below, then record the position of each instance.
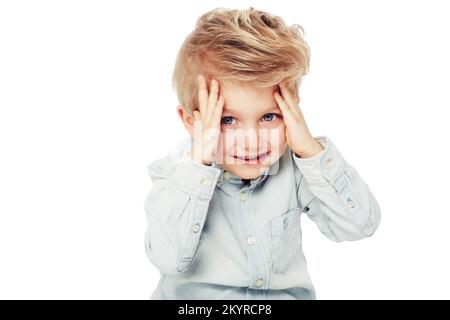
(247, 99)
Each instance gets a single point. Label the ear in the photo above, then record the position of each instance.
(186, 119)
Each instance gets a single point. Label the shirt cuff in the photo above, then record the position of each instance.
(325, 167)
(196, 178)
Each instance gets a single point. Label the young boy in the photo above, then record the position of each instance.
(225, 206)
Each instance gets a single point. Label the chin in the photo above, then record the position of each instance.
(247, 173)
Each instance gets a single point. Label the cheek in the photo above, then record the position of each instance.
(277, 136)
(221, 143)
(227, 142)
(282, 137)
(224, 144)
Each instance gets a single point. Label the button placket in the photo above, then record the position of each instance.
(255, 256)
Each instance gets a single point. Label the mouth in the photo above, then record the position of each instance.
(258, 159)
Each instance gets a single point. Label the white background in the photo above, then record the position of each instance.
(86, 104)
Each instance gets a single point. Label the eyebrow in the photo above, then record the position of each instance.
(273, 108)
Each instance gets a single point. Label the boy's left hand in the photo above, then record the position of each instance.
(298, 137)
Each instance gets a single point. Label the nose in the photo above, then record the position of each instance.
(251, 138)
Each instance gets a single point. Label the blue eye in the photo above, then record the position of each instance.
(269, 116)
(227, 120)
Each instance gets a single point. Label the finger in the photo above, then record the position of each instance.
(217, 115)
(198, 133)
(202, 93)
(213, 94)
(286, 94)
(197, 121)
(287, 112)
(292, 102)
(196, 115)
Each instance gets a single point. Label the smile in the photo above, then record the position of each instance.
(252, 159)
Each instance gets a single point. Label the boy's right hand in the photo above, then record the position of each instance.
(207, 122)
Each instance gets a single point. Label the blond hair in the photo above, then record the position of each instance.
(245, 46)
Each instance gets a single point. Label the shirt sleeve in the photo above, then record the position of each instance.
(176, 208)
(334, 196)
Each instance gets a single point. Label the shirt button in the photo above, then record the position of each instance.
(259, 282)
(251, 240)
(196, 228)
(243, 197)
(205, 182)
(226, 175)
(351, 203)
(328, 163)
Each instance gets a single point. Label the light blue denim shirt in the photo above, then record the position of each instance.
(212, 236)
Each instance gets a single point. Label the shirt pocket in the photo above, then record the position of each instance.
(285, 239)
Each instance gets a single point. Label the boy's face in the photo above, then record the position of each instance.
(251, 125)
